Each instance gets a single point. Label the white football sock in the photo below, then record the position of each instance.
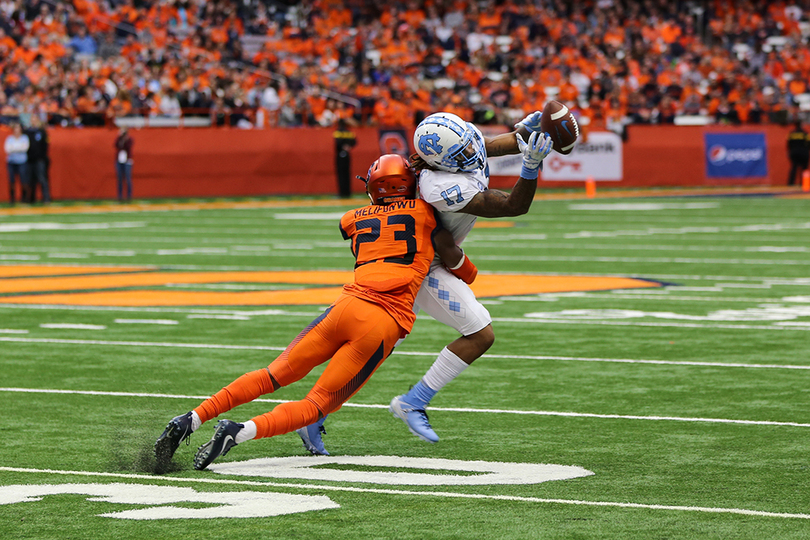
(447, 367)
(195, 421)
(246, 433)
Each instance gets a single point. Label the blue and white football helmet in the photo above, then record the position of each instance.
(448, 143)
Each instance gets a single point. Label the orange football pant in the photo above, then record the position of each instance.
(356, 334)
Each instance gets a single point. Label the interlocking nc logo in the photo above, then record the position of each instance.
(429, 144)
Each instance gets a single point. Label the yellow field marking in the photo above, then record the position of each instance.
(494, 224)
(165, 207)
(11, 271)
(800, 195)
(317, 287)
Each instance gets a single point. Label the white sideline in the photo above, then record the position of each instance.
(402, 353)
(738, 511)
(443, 409)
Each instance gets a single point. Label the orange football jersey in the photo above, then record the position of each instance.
(393, 245)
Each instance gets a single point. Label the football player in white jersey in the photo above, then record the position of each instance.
(454, 178)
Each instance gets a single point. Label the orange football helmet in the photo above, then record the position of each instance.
(390, 178)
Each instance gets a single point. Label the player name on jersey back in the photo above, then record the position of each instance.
(409, 204)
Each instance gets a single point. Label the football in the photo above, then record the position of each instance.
(561, 125)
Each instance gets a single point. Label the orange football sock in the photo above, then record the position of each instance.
(244, 389)
(285, 418)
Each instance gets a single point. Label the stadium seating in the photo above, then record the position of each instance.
(263, 63)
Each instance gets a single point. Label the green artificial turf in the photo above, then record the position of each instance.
(688, 403)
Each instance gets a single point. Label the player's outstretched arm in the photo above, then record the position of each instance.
(494, 203)
(506, 143)
(502, 145)
(453, 257)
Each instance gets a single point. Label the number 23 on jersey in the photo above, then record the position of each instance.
(389, 233)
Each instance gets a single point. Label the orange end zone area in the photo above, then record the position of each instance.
(317, 287)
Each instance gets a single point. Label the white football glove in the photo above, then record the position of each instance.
(531, 122)
(534, 151)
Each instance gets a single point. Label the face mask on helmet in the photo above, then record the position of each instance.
(448, 143)
(390, 178)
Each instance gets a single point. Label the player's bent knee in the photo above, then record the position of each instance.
(483, 339)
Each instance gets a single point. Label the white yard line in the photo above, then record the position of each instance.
(655, 260)
(444, 409)
(72, 326)
(147, 321)
(498, 243)
(650, 324)
(219, 317)
(622, 361)
(400, 353)
(19, 257)
(440, 494)
(143, 344)
(244, 313)
(62, 255)
(656, 295)
(209, 239)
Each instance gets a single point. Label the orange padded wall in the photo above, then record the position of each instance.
(231, 162)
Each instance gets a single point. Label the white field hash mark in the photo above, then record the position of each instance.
(72, 326)
(167, 322)
(444, 409)
(443, 494)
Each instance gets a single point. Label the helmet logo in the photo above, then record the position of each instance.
(429, 144)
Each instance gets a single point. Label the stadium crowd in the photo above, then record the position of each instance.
(377, 62)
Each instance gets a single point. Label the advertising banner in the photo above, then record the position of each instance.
(600, 158)
(735, 155)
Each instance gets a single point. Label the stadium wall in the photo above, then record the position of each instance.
(231, 162)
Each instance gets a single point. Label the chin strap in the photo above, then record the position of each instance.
(365, 181)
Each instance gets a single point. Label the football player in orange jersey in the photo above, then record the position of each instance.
(394, 240)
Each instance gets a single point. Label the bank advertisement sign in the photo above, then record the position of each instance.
(599, 158)
(735, 155)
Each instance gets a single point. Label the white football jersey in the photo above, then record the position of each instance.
(450, 192)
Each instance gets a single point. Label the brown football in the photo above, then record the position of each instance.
(561, 125)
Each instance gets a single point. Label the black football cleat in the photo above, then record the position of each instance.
(219, 445)
(177, 431)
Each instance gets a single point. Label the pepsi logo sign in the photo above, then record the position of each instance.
(719, 154)
(736, 155)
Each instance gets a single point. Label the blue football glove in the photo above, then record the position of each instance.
(534, 151)
(531, 122)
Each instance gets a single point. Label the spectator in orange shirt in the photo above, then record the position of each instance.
(7, 45)
(88, 108)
